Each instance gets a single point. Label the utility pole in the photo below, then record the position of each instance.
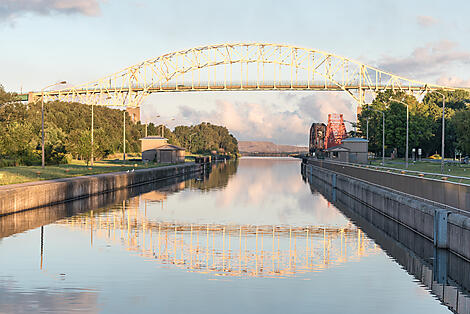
(43, 158)
(124, 137)
(443, 130)
(92, 128)
(407, 119)
(383, 132)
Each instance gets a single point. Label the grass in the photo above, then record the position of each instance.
(450, 169)
(22, 174)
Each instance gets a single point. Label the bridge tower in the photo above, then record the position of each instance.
(335, 130)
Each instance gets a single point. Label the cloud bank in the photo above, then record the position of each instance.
(429, 60)
(263, 122)
(11, 9)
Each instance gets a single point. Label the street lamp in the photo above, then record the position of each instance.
(163, 125)
(383, 132)
(407, 119)
(43, 160)
(443, 129)
(190, 141)
(146, 125)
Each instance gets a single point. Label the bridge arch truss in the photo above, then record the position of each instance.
(238, 67)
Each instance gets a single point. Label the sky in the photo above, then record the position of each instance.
(44, 41)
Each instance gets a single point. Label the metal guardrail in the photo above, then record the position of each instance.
(446, 194)
(405, 172)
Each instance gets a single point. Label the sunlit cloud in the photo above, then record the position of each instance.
(426, 21)
(11, 9)
(431, 59)
(269, 122)
(453, 81)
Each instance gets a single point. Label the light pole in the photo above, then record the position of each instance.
(190, 141)
(43, 159)
(124, 136)
(407, 119)
(367, 129)
(383, 132)
(163, 125)
(443, 129)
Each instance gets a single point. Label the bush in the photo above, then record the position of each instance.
(7, 163)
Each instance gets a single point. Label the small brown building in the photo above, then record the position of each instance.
(156, 148)
(353, 150)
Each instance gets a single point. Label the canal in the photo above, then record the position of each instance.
(251, 236)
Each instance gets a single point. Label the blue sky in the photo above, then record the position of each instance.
(80, 40)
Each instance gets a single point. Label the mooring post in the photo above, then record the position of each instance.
(333, 181)
(440, 228)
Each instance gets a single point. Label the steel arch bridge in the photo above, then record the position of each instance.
(237, 67)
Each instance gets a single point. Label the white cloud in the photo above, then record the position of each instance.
(429, 60)
(11, 9)
(264, 122)
(426, 21)
(453, 81)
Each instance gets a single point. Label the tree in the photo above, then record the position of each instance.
(462, 130)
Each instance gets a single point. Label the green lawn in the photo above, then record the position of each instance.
(451, 169)
(21, 174)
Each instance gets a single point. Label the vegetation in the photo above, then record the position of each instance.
(425, 122)
(68, 133)
(428, 167)
(22, 174)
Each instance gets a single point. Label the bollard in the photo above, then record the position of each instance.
(440, 228)
(333, 181)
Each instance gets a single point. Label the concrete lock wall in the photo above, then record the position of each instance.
(414, 213)
(18, 197)
(444, 192)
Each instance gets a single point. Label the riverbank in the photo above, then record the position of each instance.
(23, 174)
(19, 197)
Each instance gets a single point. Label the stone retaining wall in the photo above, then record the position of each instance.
(19, 197)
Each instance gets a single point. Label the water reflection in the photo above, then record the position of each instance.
(444, 274)
(244, 238)
(228, 250)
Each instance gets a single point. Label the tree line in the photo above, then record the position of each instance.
(68, 133)
(425, 122)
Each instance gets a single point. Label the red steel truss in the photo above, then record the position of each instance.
(335, 130)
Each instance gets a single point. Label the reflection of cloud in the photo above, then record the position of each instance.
(10, 9)
(265, 191)
(264, 122)
(426, 21)
(41, 300)
(431, 59)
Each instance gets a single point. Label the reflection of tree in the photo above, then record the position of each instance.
(218, 177)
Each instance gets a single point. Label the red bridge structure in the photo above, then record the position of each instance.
(335, 130)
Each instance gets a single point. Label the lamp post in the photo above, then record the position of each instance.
(407, 119)
(383, 132)
(443, 129)
(163, 125)
(43, 159)
(191, 141)
(124, 136)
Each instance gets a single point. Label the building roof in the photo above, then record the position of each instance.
(355, 139)
(338, 148)
(169, 147)
(153, 138)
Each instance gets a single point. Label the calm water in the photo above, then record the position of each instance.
(251, 237)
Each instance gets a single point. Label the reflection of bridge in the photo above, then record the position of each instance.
(237, 67)
(228, 250)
